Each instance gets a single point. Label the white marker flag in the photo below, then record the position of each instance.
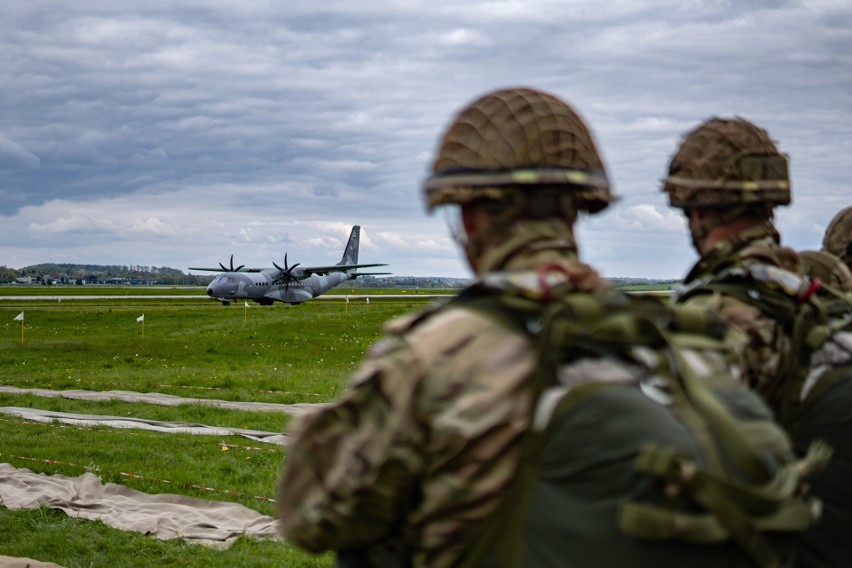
(246, 303)
(141, 318)
(368, 300)
(19, 317)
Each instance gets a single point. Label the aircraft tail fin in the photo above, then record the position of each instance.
(350, 255)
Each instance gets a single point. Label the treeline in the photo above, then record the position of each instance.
(64, 273)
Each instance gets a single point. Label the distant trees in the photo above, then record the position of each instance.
(7, 275)
(67, 273)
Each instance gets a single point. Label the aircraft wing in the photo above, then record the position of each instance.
(336, 268)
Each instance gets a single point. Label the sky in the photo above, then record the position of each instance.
(176, 133)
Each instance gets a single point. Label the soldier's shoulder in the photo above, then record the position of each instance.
(438, 319)
(768, 252)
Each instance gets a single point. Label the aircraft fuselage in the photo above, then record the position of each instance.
(262, 288)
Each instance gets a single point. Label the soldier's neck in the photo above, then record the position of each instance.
(732, 234)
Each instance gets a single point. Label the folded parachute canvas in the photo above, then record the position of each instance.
(162, 516)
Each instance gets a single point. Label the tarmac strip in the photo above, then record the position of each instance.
(164, 399)
(124, 422)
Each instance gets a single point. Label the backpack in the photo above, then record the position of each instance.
(643, 450)
(812, 397)
(816, 317)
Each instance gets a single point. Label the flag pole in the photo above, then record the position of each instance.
(20, 317)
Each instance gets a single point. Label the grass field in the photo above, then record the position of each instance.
(190, 348)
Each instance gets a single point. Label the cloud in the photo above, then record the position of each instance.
(261, 127)
(14, 155)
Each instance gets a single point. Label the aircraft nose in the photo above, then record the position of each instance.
(209, 291)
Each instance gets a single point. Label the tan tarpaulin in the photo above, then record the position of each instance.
(9, 562)
(163, 516)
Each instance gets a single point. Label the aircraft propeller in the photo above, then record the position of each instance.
(286, 272)
(232, 269)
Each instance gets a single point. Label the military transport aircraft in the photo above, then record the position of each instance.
(294, 284)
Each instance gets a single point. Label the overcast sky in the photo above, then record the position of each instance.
(175, 133)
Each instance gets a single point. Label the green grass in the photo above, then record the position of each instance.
(198, 349)
(100, 290)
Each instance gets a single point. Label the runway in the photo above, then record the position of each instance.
(338, 297)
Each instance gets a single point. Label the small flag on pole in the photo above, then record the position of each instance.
(368, 300)
(20, 318)
(141, 318)
(246, 303)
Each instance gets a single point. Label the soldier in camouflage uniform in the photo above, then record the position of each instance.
(838, 236)
(420, 449)
(833, 264)
(728, 176)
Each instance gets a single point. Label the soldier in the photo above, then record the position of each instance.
(727, 176)
(420, 455)
(453, 369)
(833, 264)
(827, 267)
(838, 236)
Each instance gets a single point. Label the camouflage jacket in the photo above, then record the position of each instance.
(758, 339)
(418, 452)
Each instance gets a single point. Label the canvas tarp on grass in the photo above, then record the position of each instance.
(164, 399)
(162, 516)
(48, 416)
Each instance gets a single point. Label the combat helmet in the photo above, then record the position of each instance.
(727, 162)
(838, 236)
(517, 140)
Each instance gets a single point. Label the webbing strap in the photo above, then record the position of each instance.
(651, 522)
(735, 510)
(722, 423)
(759, 499)
(648, 522)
